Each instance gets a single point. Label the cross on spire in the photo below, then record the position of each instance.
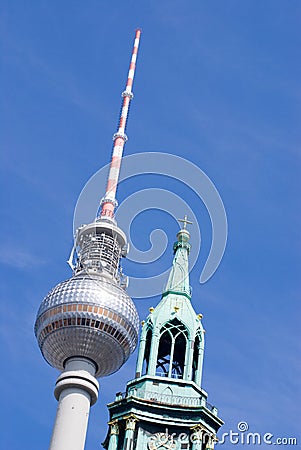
(185, 222)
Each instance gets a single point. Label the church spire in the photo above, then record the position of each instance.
(172, 338)
(178, 281)
(165, 401)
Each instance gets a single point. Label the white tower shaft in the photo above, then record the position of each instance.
(87, 326)
(76, 390)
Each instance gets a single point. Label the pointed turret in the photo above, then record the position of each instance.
(164, 406)
(172, 338)
(178, 281)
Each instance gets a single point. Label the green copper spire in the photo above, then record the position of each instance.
(165, 400)
(178, 281)
(172, 338)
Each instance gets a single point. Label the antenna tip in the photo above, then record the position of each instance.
(138, 31)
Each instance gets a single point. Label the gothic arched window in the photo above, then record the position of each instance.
(163, 360)
(172, 350)
(195, 361)
(148, 342)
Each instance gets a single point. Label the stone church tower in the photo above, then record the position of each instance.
(164, 407)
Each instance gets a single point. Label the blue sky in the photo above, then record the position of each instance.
(217, 83)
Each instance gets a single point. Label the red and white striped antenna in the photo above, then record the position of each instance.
(109, 202)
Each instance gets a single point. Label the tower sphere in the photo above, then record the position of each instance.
(87, 326)
(87, 316)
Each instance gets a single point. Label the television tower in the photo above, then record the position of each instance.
(87, 326)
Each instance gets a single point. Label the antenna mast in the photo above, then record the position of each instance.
(87, 326)
(109, 202)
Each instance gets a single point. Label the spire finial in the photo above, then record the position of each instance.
(185, 221)
(178, 281)
(109, 202)
(183, 235)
